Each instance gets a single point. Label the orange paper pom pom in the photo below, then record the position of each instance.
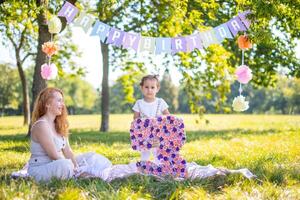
(49, 48)
(244, 42)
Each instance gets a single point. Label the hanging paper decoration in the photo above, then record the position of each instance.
(49, 48)
(54, 25)
(84, 21)
(244, 42)
(48, 72)
(163, 45)
(243, 17)
(235, 25)
(68, 11)
(239, 104)
(119, 38)
(243, 74)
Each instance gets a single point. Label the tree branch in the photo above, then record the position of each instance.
(11, 40)
(115, 12)
(27, 55)
(22, 38)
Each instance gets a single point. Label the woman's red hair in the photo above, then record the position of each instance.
(40, 109)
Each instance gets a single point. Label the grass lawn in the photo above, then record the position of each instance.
(269, 145)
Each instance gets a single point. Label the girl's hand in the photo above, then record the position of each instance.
(156, 142)
(76, 165)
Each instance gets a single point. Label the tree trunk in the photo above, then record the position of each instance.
(2, 108)
(26, 104)
(39, 83)
(105, 90)
(44, 36)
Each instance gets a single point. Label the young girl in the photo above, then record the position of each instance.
(150, 106)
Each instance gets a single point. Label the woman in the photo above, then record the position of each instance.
(51, 154)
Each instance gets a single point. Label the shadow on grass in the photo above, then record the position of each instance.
(226, 134)
(263, 167)
(123, 137)
(18, 148)
(99, 189)
(109, 138)
(96, 137)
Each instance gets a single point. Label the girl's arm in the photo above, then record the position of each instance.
(69, 154)
(136, 115)
(166, 112)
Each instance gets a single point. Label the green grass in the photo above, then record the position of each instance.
(269, 145)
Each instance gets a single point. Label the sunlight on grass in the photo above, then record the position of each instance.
(266, 144)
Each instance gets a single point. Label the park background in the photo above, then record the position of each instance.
(198, 86)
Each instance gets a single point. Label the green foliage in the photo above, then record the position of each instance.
(19, 25)
(274, 31)
(283, 98)
(8, 87)
(18, 18)
(67, 51)
(79, 94)
(169, 92)
(133, 75)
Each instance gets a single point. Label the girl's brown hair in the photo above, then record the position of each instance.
(40, 109)
(149, 77)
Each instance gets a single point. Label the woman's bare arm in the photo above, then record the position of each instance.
(68, 152)
(41, 134)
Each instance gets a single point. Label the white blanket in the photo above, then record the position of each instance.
(108, 174)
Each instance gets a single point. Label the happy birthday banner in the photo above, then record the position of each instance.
(157, 45)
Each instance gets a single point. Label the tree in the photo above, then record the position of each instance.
(271, 51)
(113, 13)
(204, 71)
(169, 92)
(43, 36)
(110, 16)
(18, 24)
(8, 87)
(183, 101)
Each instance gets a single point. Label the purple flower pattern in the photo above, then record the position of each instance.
(169, 131)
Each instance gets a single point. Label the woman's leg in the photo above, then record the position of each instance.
(91, 164)
(61, 169)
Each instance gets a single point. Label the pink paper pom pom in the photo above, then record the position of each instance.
(49, 72)
(244, 74)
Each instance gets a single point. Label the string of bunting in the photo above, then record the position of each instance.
(156, 45)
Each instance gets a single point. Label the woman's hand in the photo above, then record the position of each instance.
(68, 153)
